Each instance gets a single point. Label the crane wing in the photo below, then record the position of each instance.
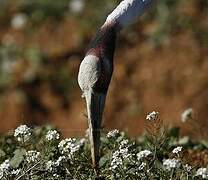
(89, 72)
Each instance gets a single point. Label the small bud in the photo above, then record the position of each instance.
(187, 115)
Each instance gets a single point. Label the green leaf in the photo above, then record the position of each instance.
(18, 157)
(174, 132)
(2, 153)
(184, 140)
(205, 143)
(104, 160)
(119, 139)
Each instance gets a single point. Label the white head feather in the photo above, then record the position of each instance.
(128, 10)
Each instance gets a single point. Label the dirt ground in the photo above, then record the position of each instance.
(169, 79)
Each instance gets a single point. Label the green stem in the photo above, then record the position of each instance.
(27, 171)
(172, 172)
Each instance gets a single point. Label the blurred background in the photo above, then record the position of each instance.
(161, 63)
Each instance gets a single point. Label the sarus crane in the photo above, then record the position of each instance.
(97, 66)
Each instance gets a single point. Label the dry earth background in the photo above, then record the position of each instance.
(160, 64)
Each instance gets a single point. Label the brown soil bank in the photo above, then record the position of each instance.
(168, 79)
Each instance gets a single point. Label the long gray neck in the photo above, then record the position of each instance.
(104, 42)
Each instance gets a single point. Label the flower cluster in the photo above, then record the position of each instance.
(22, 133)
(203, 172)
(124, 143)
(6, 170)
(143, 154)
(171, 164)
(120, 155)
(15, 172)
(32, 156)
(116, 160)
(69, 146)
(60, 160)
(187, 167)
(69, 158)
(152, 116)
(177, 150)
(52, 135)
(5, 167)
(113, 133)
(52, 165)
(142, 166)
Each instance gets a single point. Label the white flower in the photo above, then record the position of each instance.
(124, 142)
(16, 172)
(60, 160)
(187, 115)
(76, 6)
(56, 175)
(203, 172)
(113, 133)
(115, 163)
(188, 167)
(5, 166)
(152, 116)
(116, 160)
(143, 154)
(124, 153)
(118, 157)
(19, 21)
(52, 135)
(171, 164)
(32, 156)
(22, 133)
(82, 141)
(69, 146)
(50, 165)
(142, 166)
(177, 150)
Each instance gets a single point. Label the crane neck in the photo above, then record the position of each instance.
(104, 42)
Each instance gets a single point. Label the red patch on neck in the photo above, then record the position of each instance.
(98, 51)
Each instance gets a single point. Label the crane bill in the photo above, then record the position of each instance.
(95, 106)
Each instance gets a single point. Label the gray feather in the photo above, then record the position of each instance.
(89, 73)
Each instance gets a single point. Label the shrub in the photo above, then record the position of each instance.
(41, 153)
